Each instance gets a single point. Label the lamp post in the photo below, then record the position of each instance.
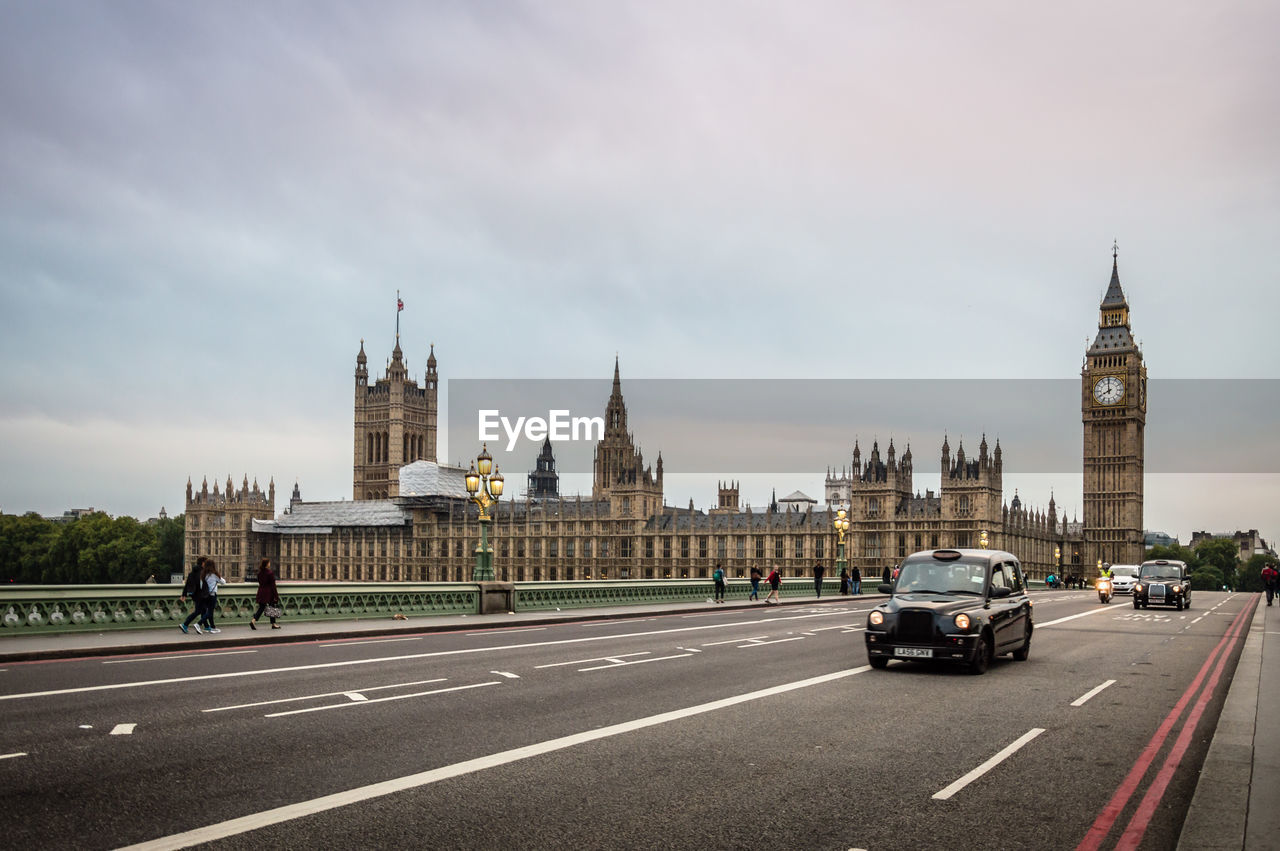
(842, 527)
(485, 489)
(982, 539)
(1057, 560)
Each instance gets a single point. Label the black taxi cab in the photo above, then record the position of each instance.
(958, 605)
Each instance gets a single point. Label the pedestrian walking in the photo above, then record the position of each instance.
(855, 580)
(775, 582)
(844, 582)
(718, 576)
(755, 583)
(212, 579)
(1271, 581)
(151, 579)
(819, 573)
(267, 594)
(886, 577)
(193, 588)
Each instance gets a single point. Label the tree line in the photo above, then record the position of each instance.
(1216, 563)
(93, 549)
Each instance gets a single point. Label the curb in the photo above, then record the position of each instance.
(1216, 818)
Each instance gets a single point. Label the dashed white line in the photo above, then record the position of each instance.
(775, 641)
(379, 700)
(289, 812)
(355, 696)
(1073, 617)
(1091, 693)
(505, 630)
(1009, 751)
(123, 729)
(1197, 620)
(325, 694)
(596, 659)
(12, 755)
(179, 656)
(619, 664)
(506, 674)
(734, 641)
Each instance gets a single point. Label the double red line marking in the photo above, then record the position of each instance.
(1137, 825)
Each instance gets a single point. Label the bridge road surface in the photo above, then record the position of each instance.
(757, 728)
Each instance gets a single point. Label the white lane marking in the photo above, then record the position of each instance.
(510, 629)
(1073, 617)
(689, 649)
(355, 696)
(1009, 751)
(1091, 693)
(775, 641)
(635, 662)
(851, 631)
(506, 674)
(86, 726)
(123, 729)
(366, 702)
(179, 656)
(359, 642)
(12, 755)
(278, 815)
(825, 628)
(405, 658)
(596, 659)
(734, 641)
(317, 696)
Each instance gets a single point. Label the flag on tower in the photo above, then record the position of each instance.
(399, 304)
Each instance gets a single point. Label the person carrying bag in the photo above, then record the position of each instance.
(268, 597)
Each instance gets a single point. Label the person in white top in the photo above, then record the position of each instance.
(212, 579)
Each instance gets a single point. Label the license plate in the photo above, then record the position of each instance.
(914, 652)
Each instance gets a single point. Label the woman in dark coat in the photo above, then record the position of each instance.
(267, 594)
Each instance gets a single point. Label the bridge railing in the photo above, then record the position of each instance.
(28, 609)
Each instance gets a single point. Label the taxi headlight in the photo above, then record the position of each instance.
(962, 621)
(1137, 588)
(875, 618)
(1177, 589)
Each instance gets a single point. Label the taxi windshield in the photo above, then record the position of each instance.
(1160, 571)
(941, 578)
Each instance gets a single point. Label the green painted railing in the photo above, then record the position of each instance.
(28, 609)
(535, 596)
(83, 608)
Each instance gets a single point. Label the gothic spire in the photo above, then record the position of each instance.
(1115, 295)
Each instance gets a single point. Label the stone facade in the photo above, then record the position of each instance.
(220, 525)
(395, 424)
(1113, 407)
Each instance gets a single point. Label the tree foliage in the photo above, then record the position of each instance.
(93, 550)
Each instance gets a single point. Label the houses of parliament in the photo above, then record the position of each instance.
(410, 518)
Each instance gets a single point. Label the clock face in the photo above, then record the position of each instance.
(1109, 390)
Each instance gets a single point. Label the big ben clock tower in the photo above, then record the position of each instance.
(1113, 405)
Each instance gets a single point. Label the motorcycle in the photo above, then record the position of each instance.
(1104, 590)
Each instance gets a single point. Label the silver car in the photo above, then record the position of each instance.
(1122, 578)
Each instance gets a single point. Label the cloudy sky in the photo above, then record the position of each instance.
(206, 207)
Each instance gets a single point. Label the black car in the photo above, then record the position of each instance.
(1163, 582)
(966, 606)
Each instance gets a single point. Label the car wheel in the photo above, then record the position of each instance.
(1020, 655)
(1186, 604)
(981, 656)
(1135, 604)
(1177, 604)
(878, 662)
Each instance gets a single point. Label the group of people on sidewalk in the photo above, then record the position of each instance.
(202, 588)
(849, 583)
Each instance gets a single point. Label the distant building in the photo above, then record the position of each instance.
(72, 514)
(219, 525)
(1158, 539)
(395, 423)
(1249, 543)
(797, 501)
(544, 481)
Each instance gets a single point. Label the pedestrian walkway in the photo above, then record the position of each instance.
(127, 641)
(1235, 804)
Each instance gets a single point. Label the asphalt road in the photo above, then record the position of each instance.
(760, 728)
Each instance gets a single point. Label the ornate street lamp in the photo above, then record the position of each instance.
(841, 523)
(982, 539)
(485, 489)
